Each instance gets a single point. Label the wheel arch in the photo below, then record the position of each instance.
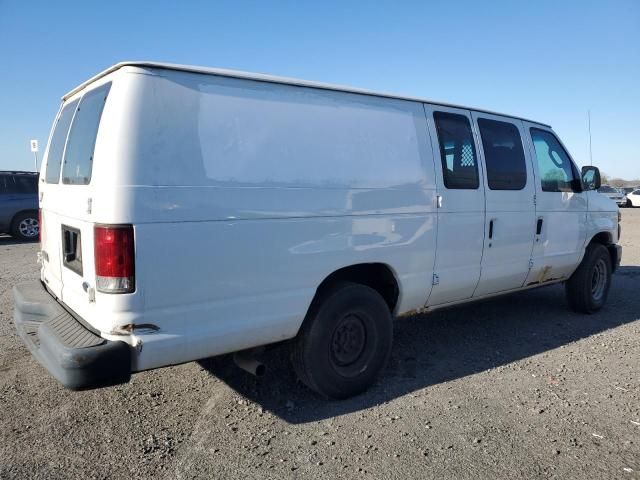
(606, 239)
(378, 276)
(20, 212)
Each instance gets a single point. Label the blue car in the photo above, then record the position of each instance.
(19, 204)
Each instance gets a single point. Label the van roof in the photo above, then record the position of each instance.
(275, 79)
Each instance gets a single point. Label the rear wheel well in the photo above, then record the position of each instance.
(377, 276)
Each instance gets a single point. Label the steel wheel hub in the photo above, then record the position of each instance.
(349, 339)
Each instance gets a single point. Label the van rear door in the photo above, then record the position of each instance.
(68, 222)
(50, 203)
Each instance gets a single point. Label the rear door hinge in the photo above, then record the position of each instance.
(535, 199)
(435, 280)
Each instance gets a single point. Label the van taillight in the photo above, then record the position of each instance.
(114, 256)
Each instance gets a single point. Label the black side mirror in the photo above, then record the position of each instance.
(590, 178)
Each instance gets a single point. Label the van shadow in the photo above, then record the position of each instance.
(430, 349)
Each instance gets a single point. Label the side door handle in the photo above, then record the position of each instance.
(490, 229)
(539, 226)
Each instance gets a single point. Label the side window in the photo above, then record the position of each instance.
(78, 156)
(4, 184)
(56, 147)
(503, 155)
(26, 184)
(557, 173)
(457, 152)
(12, 183)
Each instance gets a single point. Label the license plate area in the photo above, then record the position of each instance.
(72, 249)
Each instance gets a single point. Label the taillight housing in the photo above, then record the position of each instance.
(114, 257)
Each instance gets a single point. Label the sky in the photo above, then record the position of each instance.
(550, 61)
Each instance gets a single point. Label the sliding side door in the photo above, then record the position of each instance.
(460, 199)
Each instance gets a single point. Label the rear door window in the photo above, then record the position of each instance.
(457, 151)
(78, 156)
(58, 140)
(503, 155)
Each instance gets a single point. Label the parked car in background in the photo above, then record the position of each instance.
(633, 198)
(614, 194)
(19, 204)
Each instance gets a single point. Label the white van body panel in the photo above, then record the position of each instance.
(246, 192)
(559, 248)
(229, 250)
(505, 257)
(461, 229)
(602, 216)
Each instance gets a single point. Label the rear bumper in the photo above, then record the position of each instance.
(74, 355)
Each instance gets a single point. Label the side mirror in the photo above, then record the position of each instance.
(590, 178)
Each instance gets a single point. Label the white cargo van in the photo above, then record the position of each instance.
(190, 212)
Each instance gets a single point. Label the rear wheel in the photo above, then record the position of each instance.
(26, 226)
(344, 342)
(588, 287)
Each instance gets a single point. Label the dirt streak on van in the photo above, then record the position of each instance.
(190, 212)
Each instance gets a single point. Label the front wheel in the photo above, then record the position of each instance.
(588, 287)
(344, 342)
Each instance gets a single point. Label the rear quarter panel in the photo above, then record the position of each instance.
(234, 230)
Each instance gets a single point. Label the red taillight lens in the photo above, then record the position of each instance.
(114, 256)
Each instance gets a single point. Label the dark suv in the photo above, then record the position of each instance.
(19, 204)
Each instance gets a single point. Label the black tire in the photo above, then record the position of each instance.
(344, 342)
(26, 226)
(588, 287)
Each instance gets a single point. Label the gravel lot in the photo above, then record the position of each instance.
(515, 387)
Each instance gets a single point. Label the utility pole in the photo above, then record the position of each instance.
(589, 122)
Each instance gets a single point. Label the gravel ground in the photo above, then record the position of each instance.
(514, 387)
